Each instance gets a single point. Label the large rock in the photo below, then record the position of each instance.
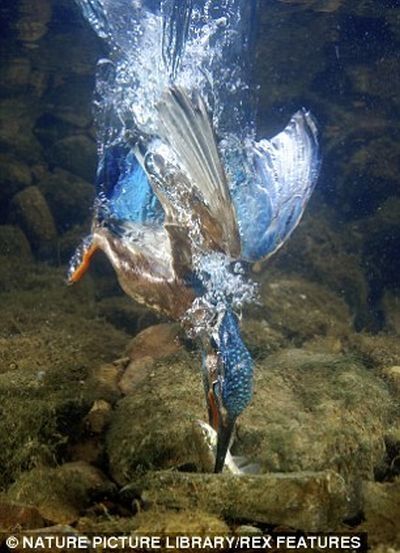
(381, 507)
(14, 176)
(14, 242)
(316, 411)
(30, 210)
(69, 198)
(310, 501)
(301, 310)
(152, 427)
(77, 154)
(60, 493)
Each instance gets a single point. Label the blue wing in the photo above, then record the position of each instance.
(270, 206)
(124, 190)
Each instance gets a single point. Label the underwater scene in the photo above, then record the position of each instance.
(199, 275)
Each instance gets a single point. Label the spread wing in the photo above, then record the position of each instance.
(286, 169)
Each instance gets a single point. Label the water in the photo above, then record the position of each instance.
(176, 126)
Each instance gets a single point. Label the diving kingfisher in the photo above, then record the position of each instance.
(165, 201)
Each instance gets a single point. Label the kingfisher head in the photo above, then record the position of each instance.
(231, 382)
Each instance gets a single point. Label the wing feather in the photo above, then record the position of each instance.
(185, 125)
(286, 169)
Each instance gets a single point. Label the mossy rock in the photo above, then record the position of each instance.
(300, 310)
(61, 493)
(69, 197)
(381, 507)
(152, 427)
(76, 154)
(13, 242)
(316, 411)
(49, 341)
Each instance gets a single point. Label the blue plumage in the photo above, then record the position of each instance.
(270, 203)
(236, 383)
(182, 192)
(125, 189)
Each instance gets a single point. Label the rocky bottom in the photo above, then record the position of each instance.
(99, 433)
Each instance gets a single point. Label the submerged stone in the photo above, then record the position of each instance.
(310, 501)
(152, 427)
(30, 210)
(381, 506)
(17, 516)
(76, 154)
(316, 411)
(13, 242)
(15, 175)
(60, 493)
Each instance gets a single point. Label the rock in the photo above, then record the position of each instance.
(71, 101)
(316, 411)
(30, 210)
(379, 350)
(17, 139)
(320, 252)
(381, 505)
(82, 47)
(68, 243)
(49, 130)
(98, 416)
(102, 383)
(14, 176)
(194, 522)
(15, 73)
(153, 343)
(308, 501)
(90, 450)
(76, 154)
(17, 516)
(13, 242)
(136, 373)
(301, 310)
(69, 198)
(157, 341)
(260, 337)
(60, 493)
(34, 17)
(247, 530)
(393, 375)
(153, 426)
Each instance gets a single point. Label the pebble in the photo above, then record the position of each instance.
(98, 416)
(29, 208)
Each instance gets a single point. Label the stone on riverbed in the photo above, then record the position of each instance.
(316, 411)
(381, 502)
(310, 501)
(60, 493)
(30, 210)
